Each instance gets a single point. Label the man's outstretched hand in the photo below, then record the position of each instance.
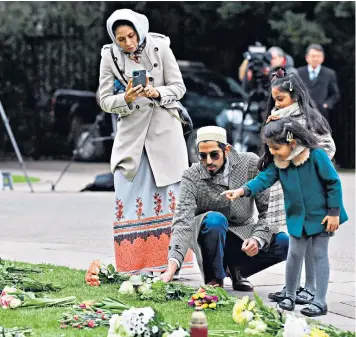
(166, 277)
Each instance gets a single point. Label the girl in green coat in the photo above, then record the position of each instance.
(312, 199)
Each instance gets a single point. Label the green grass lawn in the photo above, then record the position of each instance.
(44, 322)
(21, 179)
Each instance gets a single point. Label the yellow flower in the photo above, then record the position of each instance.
(245, 300)
(238, 307)
(251, 305)
(242, 317)
(318, 333)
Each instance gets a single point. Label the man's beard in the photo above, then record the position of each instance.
(221, 169)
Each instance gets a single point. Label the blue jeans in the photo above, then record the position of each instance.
(220, 247)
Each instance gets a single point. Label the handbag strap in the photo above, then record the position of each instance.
(114, 58)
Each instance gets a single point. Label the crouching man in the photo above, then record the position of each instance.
(223, 234)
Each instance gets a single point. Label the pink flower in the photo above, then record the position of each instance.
(75, 317)
(215, 298)
(5, 301)
(91, 324)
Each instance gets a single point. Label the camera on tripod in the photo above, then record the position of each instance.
(258, 68)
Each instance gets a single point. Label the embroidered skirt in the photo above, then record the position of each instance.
(144, 214)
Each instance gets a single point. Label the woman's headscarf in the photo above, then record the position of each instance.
(139, 21)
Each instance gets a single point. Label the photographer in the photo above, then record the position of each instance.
(276, 58)
(280, 59)
(255, 68)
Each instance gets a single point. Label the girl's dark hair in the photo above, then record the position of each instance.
(278, 132)
(295, 87)
(123, 23)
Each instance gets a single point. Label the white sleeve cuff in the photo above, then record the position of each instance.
(176, 261)
(261, 242)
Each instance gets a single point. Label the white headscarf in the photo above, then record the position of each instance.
(139, 21)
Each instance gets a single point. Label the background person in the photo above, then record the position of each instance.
(281, 59)
(320, 80)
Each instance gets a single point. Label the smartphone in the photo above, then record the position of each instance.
(139, 77)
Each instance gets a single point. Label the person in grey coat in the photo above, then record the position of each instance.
(223, 235)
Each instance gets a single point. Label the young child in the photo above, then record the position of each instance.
(312, 198)
(290, 98)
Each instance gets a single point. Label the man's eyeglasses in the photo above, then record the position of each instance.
(214, 155)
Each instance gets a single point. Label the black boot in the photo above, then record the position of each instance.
(238, 282)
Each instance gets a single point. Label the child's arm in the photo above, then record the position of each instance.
(264, 180)
(328, 175)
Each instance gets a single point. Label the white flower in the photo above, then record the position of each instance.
(126, 288)
(295, 326)
(178, 333)
(15, 303)
(250, 331)
(136, 280)
(156, 279)
(116, 328)
(148, 312)
(144, 289)
(7, 290)
(154, 329)
(258, 326)
(135, 320)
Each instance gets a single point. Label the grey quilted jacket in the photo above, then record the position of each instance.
(200, 193)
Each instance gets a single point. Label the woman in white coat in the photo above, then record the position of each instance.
(149, 153)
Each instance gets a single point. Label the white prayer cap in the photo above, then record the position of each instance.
(212, 133)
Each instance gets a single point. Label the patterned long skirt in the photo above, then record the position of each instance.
(144, 214)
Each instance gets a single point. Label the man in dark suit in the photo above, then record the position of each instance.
(320, 80)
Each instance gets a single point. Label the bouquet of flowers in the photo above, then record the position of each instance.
(15, 332)
(85, 318)
(18, 277)
(98, 273)
(209, 297)
(12, 298)
(257, 317)
(150, 288)
(107, 304)
(91, 314)
(142, 322)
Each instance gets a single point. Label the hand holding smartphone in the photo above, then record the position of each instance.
(139, 77)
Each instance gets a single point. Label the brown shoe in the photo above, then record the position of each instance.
(216, 283)
(239, 283)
